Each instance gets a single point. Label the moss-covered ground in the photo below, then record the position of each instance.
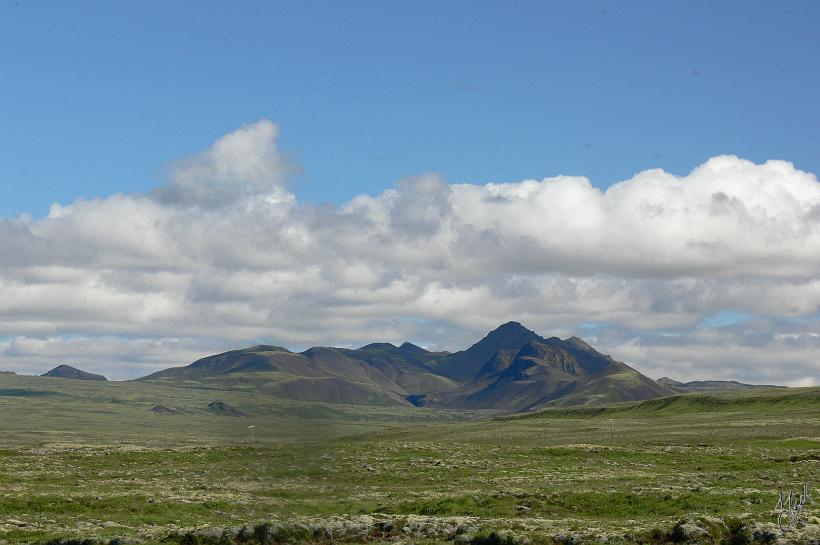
(88, 460)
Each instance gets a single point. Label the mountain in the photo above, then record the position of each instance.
(66, 371)
(711, 385)
(376, 374)
(465, 365)
(511, 369)
(514, 369)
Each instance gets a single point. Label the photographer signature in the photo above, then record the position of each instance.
(789, 509)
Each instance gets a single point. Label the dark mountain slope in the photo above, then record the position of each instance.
(66, 371)
(464, 366)
(544, 372)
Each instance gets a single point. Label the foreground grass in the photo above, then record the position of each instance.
(625, 474)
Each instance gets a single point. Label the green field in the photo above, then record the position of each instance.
(90, 461)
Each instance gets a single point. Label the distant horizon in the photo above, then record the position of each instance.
(302, 350)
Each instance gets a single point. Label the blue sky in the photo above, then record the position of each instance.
(98, 97)
(178, 122)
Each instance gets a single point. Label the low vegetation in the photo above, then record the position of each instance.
(91, 461)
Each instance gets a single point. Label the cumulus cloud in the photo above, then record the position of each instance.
(760, 351)
(243, 163)
(223, 255)
(114, 357)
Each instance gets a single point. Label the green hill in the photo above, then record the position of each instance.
(711, 385)
(764, 401)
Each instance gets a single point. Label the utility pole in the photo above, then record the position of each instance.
(612, 431)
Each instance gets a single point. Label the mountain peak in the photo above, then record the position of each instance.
(266, 348)
(378, 346)
(467, 364)
(512, 335)
(66, 371)
(666, 381)
(411, 348)
(511, 326)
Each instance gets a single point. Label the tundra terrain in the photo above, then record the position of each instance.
(96, 461)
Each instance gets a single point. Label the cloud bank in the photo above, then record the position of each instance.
(222, 255)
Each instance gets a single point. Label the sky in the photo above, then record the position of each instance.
(180, 179)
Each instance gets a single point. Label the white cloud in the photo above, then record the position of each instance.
(242, 163)
(224, 255)
(760, 352)
(114, 357)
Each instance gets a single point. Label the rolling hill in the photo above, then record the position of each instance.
(711, 385)
(511, 369)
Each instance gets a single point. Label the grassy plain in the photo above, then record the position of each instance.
(90, 460)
